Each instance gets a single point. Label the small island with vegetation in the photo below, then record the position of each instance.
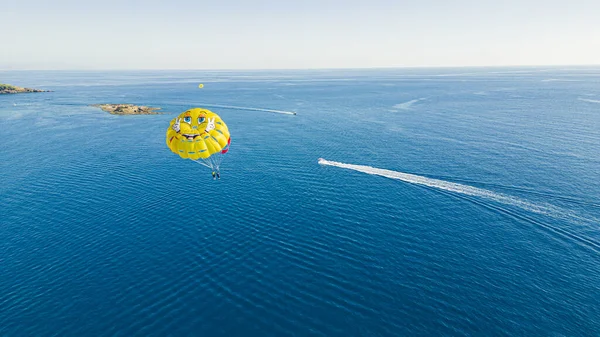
(11, 89)
(127, 109)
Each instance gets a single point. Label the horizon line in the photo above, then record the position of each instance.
(304, 69)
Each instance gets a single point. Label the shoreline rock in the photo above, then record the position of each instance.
(12, 89)
(127, 109)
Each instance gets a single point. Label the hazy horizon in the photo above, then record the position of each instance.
(308, 69)
(269, 35)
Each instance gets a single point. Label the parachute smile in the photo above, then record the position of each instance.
(190, 136)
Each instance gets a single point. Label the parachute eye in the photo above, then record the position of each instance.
(187, 119)
(201, 120)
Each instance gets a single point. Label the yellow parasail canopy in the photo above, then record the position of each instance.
(199, 134)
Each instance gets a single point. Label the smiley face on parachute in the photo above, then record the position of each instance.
(194, 123)
(197, 133)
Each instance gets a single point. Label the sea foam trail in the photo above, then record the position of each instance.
(407, 105)
(545, 209)
(589, 100)
(248, 108)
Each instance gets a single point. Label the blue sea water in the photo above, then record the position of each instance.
(104, 231)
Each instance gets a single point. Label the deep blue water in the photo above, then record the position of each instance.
(104, 231)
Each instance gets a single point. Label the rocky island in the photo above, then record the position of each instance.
(11, 89)
(127, 109)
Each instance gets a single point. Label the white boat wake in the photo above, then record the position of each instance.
(407, 105)
(447, 186)
(247, 108)
(545, 209)
(589, 100)
(539, 208)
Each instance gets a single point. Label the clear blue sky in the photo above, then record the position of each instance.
(224, 34)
